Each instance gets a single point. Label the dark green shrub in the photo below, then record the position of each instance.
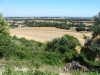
(80, 29)
(65, 46)
(37, 72)
(52, 58)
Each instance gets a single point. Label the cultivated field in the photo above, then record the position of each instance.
(44, 34)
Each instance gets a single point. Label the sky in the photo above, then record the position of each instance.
(49, 8)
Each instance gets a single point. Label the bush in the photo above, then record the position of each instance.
(65, 46)
(80, 29)
(52, 58)
(9, 71)
(90, 51)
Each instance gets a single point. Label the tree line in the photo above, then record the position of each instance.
(79, 26)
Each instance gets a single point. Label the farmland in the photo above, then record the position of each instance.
(43, 34)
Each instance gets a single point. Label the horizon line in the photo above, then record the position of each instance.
(50, 16)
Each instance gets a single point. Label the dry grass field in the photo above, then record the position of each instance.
(44, 34)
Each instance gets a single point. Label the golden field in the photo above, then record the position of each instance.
(44, 34)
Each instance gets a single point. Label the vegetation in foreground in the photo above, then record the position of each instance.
(9, 71)
(17, 52)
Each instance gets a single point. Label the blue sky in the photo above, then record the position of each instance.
(43, 8)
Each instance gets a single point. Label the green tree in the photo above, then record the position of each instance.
(92, 47)
(96, 31)
(97, 19)
(4, 36)
(65, 45)
(3, 26)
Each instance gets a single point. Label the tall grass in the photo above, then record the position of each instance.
(85, 73)
(9, 71)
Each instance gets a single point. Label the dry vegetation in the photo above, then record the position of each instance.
(44, 34)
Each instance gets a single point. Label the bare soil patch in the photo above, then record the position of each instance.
(44, 34)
